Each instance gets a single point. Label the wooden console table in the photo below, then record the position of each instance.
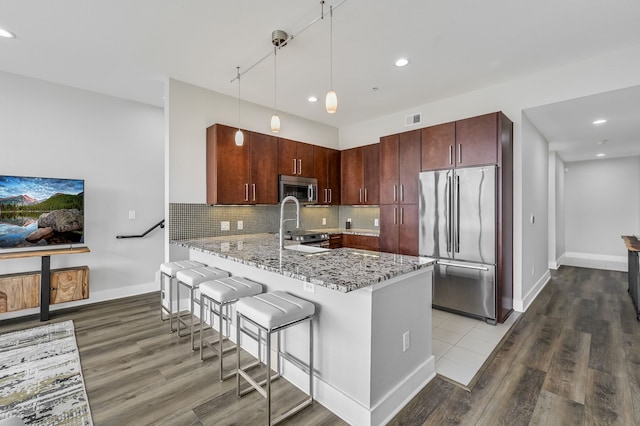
(45, 277)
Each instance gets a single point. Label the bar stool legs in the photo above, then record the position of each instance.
(220, 294)
(272, 313)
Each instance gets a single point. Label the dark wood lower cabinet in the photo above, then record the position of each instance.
(363, 242)
(399, 225)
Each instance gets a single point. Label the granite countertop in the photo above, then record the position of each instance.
(342, 269)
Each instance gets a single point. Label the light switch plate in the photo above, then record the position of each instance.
(324, 220)
(240, 225)
(376, 222)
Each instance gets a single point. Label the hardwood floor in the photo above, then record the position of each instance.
(572, 359)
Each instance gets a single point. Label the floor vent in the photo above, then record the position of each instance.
(412, 119)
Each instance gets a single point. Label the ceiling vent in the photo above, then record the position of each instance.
(412, 119)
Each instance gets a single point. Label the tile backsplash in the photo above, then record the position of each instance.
(188, 220)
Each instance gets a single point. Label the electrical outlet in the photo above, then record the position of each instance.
(240, 225)
(225, 225)
(324, 220)
(132, 214)
(376, 222)
(311, 288)
(406, 341)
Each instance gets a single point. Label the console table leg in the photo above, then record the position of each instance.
(45, 288)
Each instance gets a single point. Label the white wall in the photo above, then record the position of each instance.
(116, 147)
(602, 204)
(556, 210)
(616, 70)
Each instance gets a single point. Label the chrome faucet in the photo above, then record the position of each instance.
(283, 220)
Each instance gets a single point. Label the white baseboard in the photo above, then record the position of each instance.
(527, 300)
(94, 297)
(595, 261)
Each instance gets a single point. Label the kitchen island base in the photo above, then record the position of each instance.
(372, 350)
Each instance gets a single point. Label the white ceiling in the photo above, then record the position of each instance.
(126, 48)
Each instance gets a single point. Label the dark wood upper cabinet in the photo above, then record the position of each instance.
(351, 165)
(371, 174)
(477, 141)
(360, 170)
(327, 171)
(469, 142)
(263, 167)
(295, 158)
(389, 169)
(244, 174)
(438, 143)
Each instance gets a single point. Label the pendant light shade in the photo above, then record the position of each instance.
(239, 138)
(331, 102)
(275, 123)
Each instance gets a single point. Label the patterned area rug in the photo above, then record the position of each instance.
(40, 377)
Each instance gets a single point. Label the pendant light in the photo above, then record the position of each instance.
(275, 120)
(239, 135)
(331, 102)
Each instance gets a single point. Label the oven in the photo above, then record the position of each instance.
(310, 238)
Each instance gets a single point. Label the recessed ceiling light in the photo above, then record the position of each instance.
(402, 62)
(6, 33)
(602, 154)
(600, 121)
(312, 99)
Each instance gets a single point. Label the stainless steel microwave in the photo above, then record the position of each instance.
(304, 189)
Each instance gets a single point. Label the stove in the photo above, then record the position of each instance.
(307, 237)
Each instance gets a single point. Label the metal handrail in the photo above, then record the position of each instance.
(160, 224)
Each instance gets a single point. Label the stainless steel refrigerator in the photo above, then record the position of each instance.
(458, 227)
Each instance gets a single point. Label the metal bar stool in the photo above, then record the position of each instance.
(191, 279)
(219, 294)
(169, 270)
(272, 313)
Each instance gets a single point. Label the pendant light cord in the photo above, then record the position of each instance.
(331, 47)
(275, 78)
(238, 77)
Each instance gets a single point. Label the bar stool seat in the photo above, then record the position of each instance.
(191, 280)
(222, 293)
(169, 269)
(272, 313)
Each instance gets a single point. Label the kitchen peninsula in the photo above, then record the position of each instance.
(372, 335)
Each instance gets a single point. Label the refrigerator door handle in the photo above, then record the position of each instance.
(449, 206)
(457, 246)
(458, 265)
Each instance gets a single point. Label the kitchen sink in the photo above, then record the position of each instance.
(306, 249)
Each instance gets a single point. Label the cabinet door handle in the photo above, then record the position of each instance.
(401, 192)
(330, 198)
(395, 192)
(360, 195)
(326, 198)
(365, 195)
(295, 167)
(450, 154)
(459, 153)
(253, 187)
(395, 215)
(246, 192)
(299, 167)
(401, 215)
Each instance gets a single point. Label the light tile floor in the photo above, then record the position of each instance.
(461, 345)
